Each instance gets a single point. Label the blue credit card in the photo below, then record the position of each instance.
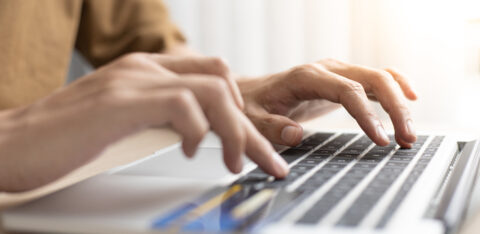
(227, 209)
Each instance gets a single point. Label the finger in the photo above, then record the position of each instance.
(237, 95)
(202, 65)
(403, 143)
(237, 133)
(182, 111)
(404, 84)
(278, 129)
(388, 93)
(316, 83)
(355, 101)
(261, 152)
(386, 90)
(222, 115)
(357, 73)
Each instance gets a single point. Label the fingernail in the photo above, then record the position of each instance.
(410, 128)
(413, 91)
(415, 95)
(188, 152)
(238, 167)
(289, 134)
(381, 132)
(281, 166)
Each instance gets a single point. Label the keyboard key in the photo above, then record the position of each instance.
(292, 152)
(374, 155)
(399, 158)
(391, 170)
(318, 156)
(396, 164)
(417, 145)
(405, 153)
(431, 150)
(364, 165)
(324, 151)
(313, 141)
(341, 160)
(325, 173)
(333, 166)
(320, 136)
(381, 150)
(353, 151)
(347, 156)
(301, 168)
(290, 159)
(421, 139)
(371, 160)
(310, 161)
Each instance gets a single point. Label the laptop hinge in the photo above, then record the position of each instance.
(456, 192)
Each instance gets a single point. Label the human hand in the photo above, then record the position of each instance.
(43, 141)
(274, 103)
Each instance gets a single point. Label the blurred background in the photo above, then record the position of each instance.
(435, 43)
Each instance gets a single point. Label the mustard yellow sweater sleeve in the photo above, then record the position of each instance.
(111, 28)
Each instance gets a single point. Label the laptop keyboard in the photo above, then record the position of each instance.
(343, 180)
(349, 158)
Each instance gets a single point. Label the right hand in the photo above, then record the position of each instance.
(46, 140)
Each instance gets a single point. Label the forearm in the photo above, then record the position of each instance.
(38, 145)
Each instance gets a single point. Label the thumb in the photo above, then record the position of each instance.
(278, 129)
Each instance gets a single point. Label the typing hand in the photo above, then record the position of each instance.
(274, 102)
(137, 91)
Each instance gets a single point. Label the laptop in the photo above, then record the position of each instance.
(339, 182)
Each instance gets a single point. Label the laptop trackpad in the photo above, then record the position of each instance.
(206, 164)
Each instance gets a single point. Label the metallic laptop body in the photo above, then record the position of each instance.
(339, 183)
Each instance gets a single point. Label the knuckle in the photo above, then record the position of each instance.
(403, 109)
(241, 130)
(220, 65)
(135, 56)
(217, 87)
(205, 127)
(352, 87)
(239, 136)
(331, 63)
(391, 70)
(202, 130)
(264, 123)
(114, 97)
(183, 98)
(383, 76)
(113, 82)
(303, 70)
(398, 108)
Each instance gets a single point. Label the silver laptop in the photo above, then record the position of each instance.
(338, 183)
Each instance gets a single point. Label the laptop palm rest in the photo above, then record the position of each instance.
(171, 162)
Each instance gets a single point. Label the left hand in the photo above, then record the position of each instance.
(275, 102)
